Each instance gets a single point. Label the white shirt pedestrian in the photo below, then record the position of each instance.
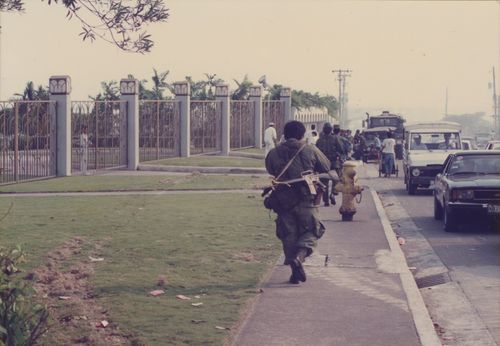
(84, 145)
(388, 145)
(311, 136)
(270, 138)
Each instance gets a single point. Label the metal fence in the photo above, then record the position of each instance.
(242, 124)
(25, 140)
(273, 111)
(159, 129)
(206, 126)
(105, 122)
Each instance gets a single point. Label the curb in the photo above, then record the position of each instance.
(423, 323)
(192, 169)
(248, 155)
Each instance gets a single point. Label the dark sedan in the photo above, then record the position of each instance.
(468, 186)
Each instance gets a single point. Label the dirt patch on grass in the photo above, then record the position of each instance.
(245, 257)
(63, 285)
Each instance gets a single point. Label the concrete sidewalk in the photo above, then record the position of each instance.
(359, 298)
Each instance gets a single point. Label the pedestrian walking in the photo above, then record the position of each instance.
(343, 150)
(84, 146)
(312, 135)
(359, 145)
(376, 142)
(270, 138)
(297, 225)
(388, 154)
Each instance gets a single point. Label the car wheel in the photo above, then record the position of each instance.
(438, 210)
(449, 221)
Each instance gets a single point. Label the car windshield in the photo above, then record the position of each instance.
(434, 141)
(475, 164)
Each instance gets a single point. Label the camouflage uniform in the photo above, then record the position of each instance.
(332, 147)
(299, 227)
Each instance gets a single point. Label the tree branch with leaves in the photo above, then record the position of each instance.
(120, 22)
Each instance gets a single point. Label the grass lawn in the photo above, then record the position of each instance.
(131, 183)
(215, 246)
(209, 161)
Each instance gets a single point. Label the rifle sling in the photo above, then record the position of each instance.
(290, 162)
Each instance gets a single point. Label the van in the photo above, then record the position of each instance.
(426, 147)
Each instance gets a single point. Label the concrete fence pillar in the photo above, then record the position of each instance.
(286, 97)
(60, 92)
(182, 93)
(129, 92)
(256, 97)
(222, 96)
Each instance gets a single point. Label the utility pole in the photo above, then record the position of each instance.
(341, 76)
(495, 108)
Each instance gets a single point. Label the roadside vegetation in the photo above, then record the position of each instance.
(97, 259)
(155, 182)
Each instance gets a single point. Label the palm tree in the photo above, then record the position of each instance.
(42, 93)
(29, 92)
(243, 90)
(159, 81)
(212, 83)
(198, 91)
(110, 92)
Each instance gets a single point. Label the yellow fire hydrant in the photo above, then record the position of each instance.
(349, 190)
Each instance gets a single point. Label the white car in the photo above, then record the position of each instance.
(426, 147)
(493, 145)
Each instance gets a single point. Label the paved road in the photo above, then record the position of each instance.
(459, 272)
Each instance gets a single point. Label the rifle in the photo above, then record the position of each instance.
(309, 177)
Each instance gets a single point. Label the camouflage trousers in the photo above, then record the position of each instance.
(299, 228)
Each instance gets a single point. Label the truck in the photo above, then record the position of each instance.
(383, 123)
(426, 147)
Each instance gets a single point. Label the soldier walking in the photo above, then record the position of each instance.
(333, 149)
(298, 225)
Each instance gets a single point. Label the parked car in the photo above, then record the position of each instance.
(468, 186)
(426, 147)
(493, 145)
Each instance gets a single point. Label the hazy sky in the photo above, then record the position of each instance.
(403, 54)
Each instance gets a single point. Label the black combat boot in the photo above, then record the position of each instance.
(293, 280)
(297, 269)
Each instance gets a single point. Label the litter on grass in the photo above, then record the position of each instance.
(221, 328)
(182, 297)
(157, 293)
(102, 324)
